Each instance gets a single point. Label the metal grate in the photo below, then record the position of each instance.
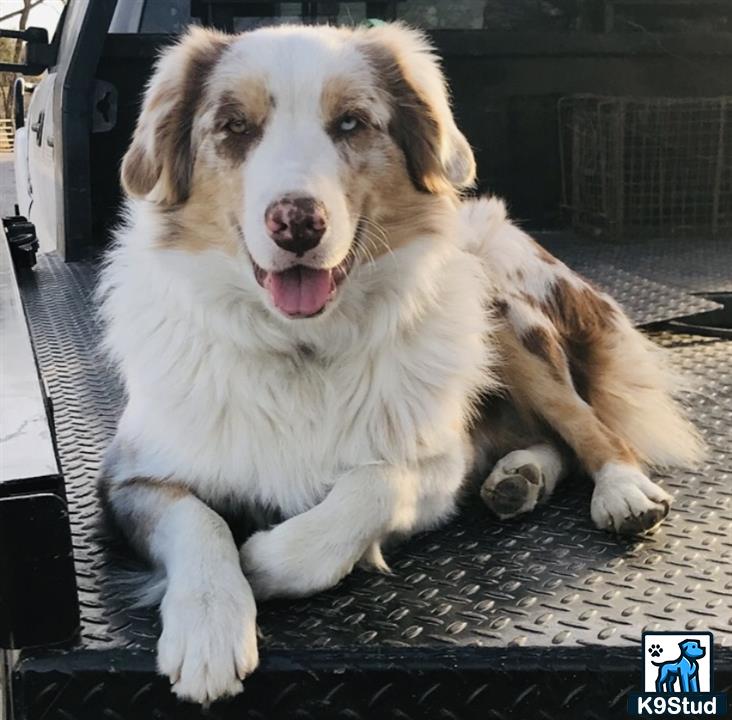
(647, 166)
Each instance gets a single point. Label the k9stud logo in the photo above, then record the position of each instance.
(678, 677)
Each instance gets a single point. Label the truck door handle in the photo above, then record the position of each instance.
(37, 128)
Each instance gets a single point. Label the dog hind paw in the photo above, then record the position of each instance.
(627, 502)
(515, 486)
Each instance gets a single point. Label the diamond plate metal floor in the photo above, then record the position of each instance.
(539, 617)
(699, 266)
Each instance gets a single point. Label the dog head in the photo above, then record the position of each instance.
(691, 649)
(314, 147)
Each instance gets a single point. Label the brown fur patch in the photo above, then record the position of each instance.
(339, 98)
(584, 321)
(170, 159)
(501, 307)
(139, 171)
(136, 504)
(414, 125)
(173, 135)
(539, 341)
(578, 313)
(164, 95)
(380, 183)
(233, 146)
(403, 217)
(594, 340)
(393, 212)
(529, 299)
(172, 489)
(202, 223)
(538, 388)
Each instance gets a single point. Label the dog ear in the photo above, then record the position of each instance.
(159, 162)
(438, 155)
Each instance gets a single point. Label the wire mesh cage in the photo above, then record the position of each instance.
(647, 167)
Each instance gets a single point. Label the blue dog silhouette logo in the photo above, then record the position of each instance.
(678, 677)
(682, 674)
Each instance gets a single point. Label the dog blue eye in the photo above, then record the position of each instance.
(348, 123)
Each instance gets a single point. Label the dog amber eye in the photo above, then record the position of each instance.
(238, 126)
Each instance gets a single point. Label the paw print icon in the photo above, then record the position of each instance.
(655, 650)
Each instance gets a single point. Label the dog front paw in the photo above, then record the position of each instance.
(627, 502)
(209, 640)
(290, 561)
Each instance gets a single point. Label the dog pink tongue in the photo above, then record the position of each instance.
(300, 290)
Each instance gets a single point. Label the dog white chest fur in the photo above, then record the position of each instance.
(240, 406)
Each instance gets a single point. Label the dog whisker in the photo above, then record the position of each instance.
(377, 237)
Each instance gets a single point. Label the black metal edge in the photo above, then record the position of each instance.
(31, 485)
(38, 51)
(19, 103)
(6, 685)
(490, 44)
(511, 659)
(72, 112)
(710, 323)
(36, 566)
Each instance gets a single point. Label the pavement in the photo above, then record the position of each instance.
(7, 184)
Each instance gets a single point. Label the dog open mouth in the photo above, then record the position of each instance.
(302, 291)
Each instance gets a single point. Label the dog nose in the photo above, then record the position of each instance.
(296, 224)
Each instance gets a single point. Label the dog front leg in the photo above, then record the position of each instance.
(208, 644)
(315, 550)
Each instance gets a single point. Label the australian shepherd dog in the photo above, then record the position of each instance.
(316, 328)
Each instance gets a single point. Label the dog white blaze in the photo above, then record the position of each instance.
(295, 155)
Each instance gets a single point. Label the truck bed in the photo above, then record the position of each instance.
(539, 617)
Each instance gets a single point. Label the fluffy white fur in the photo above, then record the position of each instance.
(220, 398)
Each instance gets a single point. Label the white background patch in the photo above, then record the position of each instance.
(668, 645)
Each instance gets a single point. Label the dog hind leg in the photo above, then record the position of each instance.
(625, 500)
